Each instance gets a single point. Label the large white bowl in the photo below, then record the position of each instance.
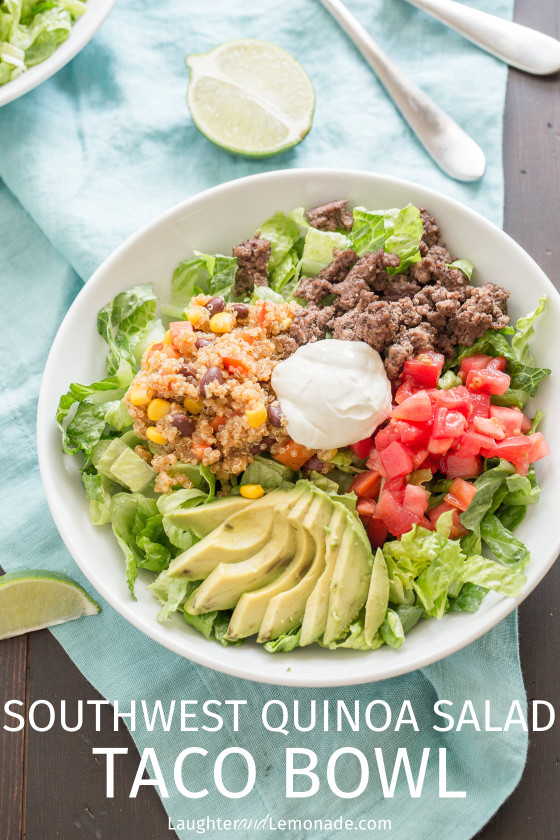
(83, 31)
(215, 221)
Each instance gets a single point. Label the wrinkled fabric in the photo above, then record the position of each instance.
(100, 149)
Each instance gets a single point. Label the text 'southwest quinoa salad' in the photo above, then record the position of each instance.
(314, 439)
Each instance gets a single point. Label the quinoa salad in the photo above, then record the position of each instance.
(320, 439)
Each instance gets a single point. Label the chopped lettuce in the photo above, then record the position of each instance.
(465, 266)
(201, 274)
(284, 643)
(499, 539)
(395, 231)
(282, 232)
(318, 250)
(268, 473)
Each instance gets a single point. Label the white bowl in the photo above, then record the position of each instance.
(212, 222)
(83, 31)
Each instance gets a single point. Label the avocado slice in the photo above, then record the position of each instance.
(236, 539)
(204, 518)
(317, 606)
(226, 584)
(378, 597)
(251, 607)
(285, 611)
(350, 580)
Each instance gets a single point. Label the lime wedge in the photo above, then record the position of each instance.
(31, 599)
(250, 97)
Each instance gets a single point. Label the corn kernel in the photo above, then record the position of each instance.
(256, 416)
(138, 395)
(196, 314)
(158, 409)
(222, 322)
(326, 454)
(193, 406)
(251, 491)
(155, 435)
(167, 337)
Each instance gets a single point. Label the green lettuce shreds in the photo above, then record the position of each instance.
(123, 323)
(201, 274)
(31, 32)
(395, 231)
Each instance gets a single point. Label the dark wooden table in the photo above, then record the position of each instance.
(47, 787)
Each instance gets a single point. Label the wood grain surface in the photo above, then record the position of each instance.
(50, 786)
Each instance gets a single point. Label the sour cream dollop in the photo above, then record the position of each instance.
(332, 393)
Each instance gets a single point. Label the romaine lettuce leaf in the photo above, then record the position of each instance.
(284, 643)
(396, 231)
(282, 232)
(171, 593)
(268, 473)
(488, 486)
(491, 575)
(507, 548)
(98, 491)
(524, 332)
(318, 250)
(465, 266)
(391, 631)
(469, 598)
(200, 274)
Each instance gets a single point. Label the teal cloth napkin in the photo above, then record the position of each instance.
(103, 147)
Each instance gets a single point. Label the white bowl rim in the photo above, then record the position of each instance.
(157, 632)
(82, 32)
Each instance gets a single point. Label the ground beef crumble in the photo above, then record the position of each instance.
(430, 306)
(331, 216)
(252, 265)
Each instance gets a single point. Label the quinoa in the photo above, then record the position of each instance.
(217, 389)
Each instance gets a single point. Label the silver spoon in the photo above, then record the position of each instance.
(517, 45)
(451, 147)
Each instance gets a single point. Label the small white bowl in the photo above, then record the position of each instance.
(83, 31)
(213, 222)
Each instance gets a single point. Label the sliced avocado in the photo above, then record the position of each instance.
(240, 536)
(317, 607)
(204, 518)
(350, 580)
(378, 597)
(285, 611)
(223, 588)
(251, 607)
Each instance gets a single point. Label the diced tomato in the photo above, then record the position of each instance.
(471, 443)
(498, 363)
(293, 455)
(455, 399)
(199, 448)
(366, 485)
(365, 508)
(439, 446)
(217, 422)
(510, 419)
(516, 450)
(374, 463)
(457, 530)
(385, 436)
(178, 328)
(461, 494)
(362, 447)
(262, 312)
(404, 391)
(488, 381)
(539, 447)
(448, 424)
(396, 460)
(398, 520)
(416, 500)
(480, 405)
(418, 458)
(425, 523)
(489, 426)
(412, 433)
(234, 365)
(477, 362)
(424, 370)
(396, 486)
(457, 466)
(526, 424)
(417, 408)
(377, 532)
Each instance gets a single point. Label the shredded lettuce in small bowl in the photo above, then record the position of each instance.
(31, 31)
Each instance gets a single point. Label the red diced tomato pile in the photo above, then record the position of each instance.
(445, 431)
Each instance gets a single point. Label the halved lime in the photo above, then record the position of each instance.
(250, 97)
(31, 599)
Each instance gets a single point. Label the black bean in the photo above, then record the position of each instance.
(215, 304)
(187, 371)
(183, 423)
(240, 310)
(265, 444)
(314, 463)
(213, 374)
(203, 342)
(274, 413)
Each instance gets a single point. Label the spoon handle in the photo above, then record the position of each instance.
(522, 47)
(451, 147)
